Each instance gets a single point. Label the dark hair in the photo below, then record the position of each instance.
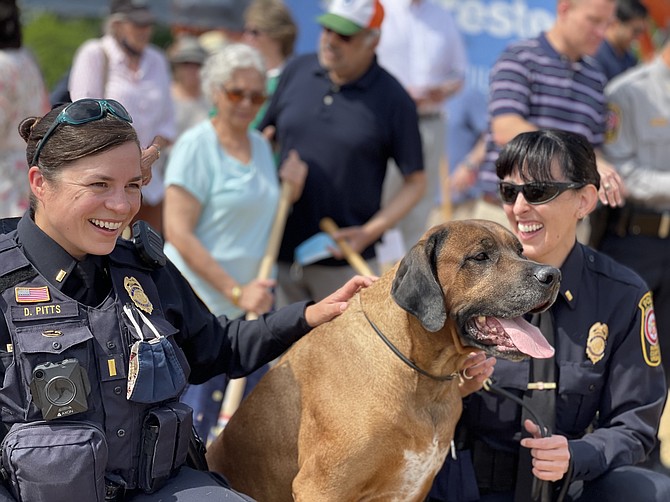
(69, 143)
(627, 10)
(533, 153)
(10, 25)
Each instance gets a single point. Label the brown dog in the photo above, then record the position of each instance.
(342, 417)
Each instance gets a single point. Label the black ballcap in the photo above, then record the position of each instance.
(135, 11)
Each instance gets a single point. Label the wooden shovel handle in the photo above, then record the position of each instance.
(353, 258)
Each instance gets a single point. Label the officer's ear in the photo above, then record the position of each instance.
(37, 182)
(588, 198)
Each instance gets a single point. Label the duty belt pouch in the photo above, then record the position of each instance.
(184, 416)
(165, 436)
(55, 461)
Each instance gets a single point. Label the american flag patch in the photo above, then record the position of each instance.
(32, 295)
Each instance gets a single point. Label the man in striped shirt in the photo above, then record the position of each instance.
(551, 81)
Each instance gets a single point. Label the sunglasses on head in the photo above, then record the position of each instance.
(237, 96)
(82, 112)
(537, 192)
(344, 38)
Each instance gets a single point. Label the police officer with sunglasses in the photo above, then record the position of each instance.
(101, 334)
(606, 388)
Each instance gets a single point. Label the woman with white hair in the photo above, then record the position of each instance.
(222, 191)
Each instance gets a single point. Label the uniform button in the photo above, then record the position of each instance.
(591, 258)
(121, 433)
(117, 390)
(111, 345)
(592, 387)
(328, 100)
(56, 345)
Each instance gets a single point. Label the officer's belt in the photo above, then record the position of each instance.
(631, 220)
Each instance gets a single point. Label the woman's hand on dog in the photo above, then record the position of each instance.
(333, 305)
(475, 370)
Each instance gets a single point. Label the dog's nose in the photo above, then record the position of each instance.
(548, 275)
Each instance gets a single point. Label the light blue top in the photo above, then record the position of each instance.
(238, 201)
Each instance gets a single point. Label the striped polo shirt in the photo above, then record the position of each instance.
(533, 80)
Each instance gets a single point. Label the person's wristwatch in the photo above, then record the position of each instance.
(235, 295)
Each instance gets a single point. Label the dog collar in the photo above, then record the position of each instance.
(405, 359)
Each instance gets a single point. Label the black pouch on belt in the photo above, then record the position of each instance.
(165, 436)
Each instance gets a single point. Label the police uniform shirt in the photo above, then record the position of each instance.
(608, 370)
(86, 281)
(638, 132)
(212, 345)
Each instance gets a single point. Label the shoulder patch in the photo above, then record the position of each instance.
(648, 332)
(613, 123)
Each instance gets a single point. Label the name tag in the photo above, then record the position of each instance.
(44, 311)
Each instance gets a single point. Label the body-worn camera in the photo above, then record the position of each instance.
(60, 389)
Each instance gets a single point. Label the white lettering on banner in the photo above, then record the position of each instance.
(499, 19)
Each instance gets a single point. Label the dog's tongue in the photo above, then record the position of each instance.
(527, 338)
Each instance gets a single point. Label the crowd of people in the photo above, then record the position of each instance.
(568, 150)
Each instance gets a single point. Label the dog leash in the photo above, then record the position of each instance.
(405, 359)
(540, 487)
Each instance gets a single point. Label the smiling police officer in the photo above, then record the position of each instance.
(102, 334)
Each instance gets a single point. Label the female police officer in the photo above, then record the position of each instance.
(605, 390)
(101, 334)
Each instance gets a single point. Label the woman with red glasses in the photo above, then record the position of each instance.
(221, 198)
(100, 334)
(603, 392)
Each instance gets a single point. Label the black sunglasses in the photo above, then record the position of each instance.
(344, 38)
(82, 112)
(537, 192)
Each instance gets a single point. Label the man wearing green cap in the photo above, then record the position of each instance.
(346, 117)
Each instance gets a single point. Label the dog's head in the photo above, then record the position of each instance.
(474, 273)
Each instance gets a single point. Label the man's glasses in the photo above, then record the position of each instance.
(236, 96)
(82, 112)
(344, 38)
(537, 192)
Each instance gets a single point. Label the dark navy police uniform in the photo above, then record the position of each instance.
(56, 321)
(610, 392)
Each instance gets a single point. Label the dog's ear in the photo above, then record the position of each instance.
(415, 287)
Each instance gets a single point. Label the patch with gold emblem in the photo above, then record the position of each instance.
(597, 341)
(648, 332)
(613, 123)
(137, 294)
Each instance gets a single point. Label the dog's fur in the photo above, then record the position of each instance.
(341, 417)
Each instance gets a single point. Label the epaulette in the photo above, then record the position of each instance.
(9, 224)
(144, 248)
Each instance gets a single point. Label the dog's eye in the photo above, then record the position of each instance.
(481, 257)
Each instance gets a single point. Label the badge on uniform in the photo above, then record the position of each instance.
(648, 332)
(25, 294)
(597, 341)
(137, 294)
